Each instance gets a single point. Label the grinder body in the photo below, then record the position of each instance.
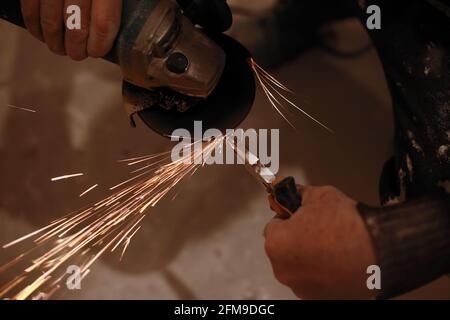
(172, 68)
(151, 32)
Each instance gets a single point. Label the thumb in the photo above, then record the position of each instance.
(302, 189)
(305, 192)
(272, 227)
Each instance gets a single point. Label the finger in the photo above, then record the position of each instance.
(273, 227)
(306, 193)
(301, 188)
(302, 191)
(275, 243)
(76, 39)
(31, 11)
(105, 24)
(52, 24)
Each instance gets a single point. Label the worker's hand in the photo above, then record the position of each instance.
(100, 22)
(324, 249)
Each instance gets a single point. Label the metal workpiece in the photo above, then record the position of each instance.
(286, 199)
(257, 169)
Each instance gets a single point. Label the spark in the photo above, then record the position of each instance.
(69, 176)
(88, 190)
(20, 108)
(27, 236)
(276, 92)
(86, 235)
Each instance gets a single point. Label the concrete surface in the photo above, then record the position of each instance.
(208, 243)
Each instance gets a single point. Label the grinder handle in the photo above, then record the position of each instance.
(285, 198)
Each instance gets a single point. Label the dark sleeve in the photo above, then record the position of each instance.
(412, 242)
(414, 48)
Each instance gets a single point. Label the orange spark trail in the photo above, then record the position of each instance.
(83, 237)
(88, 190)
(69, 176)
(274, 91)
(20, 108)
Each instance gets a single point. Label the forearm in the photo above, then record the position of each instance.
(411, 241)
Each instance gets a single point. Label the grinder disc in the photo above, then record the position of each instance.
(225, 108)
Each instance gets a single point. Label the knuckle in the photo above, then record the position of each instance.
(51, 26)
(328, 189)
(326, 192)
(103, 28)
(102, 37)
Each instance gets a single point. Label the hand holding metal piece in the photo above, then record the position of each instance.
(284, 197)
